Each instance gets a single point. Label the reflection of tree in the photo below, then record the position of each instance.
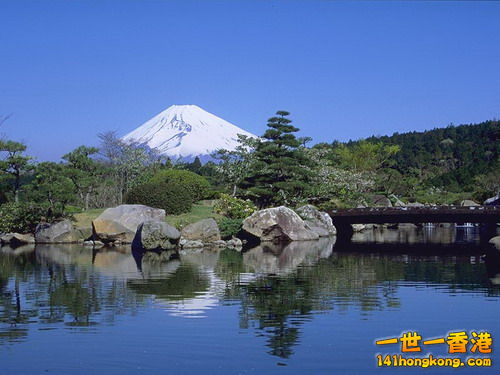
(271, 302)
(277, 306)
(184, 283)
(36, 289)
(279, 289)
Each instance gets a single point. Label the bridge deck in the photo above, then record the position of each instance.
(437, 214)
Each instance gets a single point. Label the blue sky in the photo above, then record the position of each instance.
(345, 70)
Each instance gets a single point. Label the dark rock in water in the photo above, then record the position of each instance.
(279, 224)
(60, 232)
(121, 223)
(317, 221)
(205, 230)
(156, 235)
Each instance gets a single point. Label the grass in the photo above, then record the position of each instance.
(200, 210)
(84, 219)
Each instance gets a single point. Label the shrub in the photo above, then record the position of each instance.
(229, 227)
(197, 186)
(234, 208)
(172, 197)
(24, 217)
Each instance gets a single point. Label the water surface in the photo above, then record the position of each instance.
(305, 308)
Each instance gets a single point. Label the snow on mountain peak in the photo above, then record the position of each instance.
(186, 131)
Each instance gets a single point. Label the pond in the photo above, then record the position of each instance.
(309, 307)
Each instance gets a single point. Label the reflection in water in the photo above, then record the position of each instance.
(277, 290)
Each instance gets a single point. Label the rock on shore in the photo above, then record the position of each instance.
(120, 223)
(278, 224)
(317, 221)
(60, 232)
(205, 231)
(156, 235)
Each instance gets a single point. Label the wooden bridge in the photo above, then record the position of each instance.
(343, 219)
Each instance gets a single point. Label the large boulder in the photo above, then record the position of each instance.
(279, 224)
(415, 204)
(121, 223)
(495, 241)
(468, 203)
(17, 239)
(156, 235)
(317, 221)
(205, 230)
(397, 202)
(378, 200)
(60, 232)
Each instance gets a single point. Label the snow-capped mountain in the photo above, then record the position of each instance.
(186, 131)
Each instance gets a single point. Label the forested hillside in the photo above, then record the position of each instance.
(454, 157)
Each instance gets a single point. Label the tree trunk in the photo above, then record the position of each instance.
(87, 199)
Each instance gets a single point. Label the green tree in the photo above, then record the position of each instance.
(195, 166)
(365, 156)
(234, 165)
(281, 171)
(129, 164)
(84, 172)
(14, 164)
(51, 184)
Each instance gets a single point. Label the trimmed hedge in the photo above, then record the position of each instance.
(196, 185)
(229, 227)
(174, 198)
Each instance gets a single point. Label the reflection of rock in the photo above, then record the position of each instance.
(186, 244)
(120, 223)
(19, 250)
(169, 281)
(234, 243)
(60, 232)
(156, 235)
(269, 258)
(115, 263)
(205, 230)
(358, 227)
(205, 259)
(317, 221)
(159, 268)
(64, 254)
(279, 224)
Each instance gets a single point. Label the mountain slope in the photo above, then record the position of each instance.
(186, 131)
(448, 157)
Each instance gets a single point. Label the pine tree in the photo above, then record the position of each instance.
(281, 170)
